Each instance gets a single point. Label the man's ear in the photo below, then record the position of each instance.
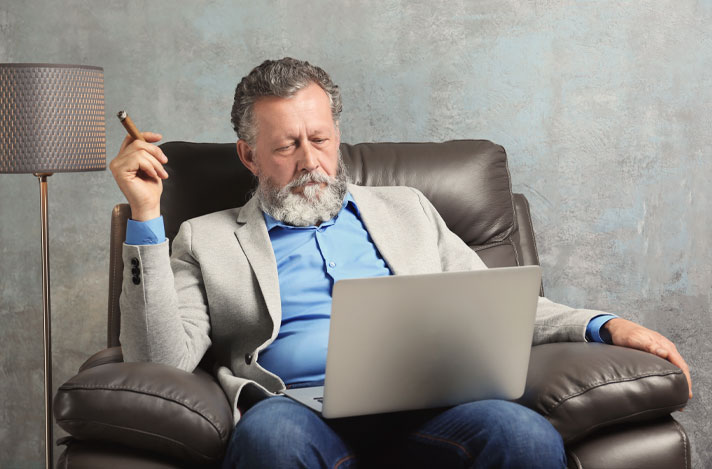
(247, 156)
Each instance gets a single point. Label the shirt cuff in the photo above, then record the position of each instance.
(145, 232)
(595, 331)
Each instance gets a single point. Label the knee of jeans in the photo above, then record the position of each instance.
(276, 427)
(527, 433)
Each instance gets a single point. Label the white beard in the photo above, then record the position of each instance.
(312, 206)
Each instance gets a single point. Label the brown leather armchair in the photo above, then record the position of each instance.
(611, 405)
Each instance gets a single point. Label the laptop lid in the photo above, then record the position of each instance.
(420, 341)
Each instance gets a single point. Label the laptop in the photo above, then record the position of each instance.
(408, 342)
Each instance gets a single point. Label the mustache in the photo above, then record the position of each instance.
(306, 178)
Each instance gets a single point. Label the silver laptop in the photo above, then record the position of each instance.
(409, 342)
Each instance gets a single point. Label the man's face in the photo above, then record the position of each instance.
(296, 158)
(295, 135)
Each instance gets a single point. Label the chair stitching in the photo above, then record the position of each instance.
(514, 247)
(624, 418)
(143, 432)
(508, 232)
(209, 417)
(683, 436)
(99, 362)
(507, 242)
(494, 244)
(531, 228)
(598, 384)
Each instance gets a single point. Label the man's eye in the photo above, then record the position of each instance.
(285, 148)
(319, 140)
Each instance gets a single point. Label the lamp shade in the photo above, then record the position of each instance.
(51, 118)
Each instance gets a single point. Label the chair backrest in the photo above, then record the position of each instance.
(467, 181)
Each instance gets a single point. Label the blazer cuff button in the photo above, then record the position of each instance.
(248, 358)
(134, 261)
(136, 279)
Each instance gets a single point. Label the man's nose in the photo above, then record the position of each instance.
(308, 161)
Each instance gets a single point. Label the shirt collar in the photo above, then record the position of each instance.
(348, 202)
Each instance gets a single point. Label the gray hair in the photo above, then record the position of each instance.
(282, 78)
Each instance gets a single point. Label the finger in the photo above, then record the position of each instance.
(150, 148)
(131, 163)
(676, 359)
(147, 168)
(668, 351)
(155, 164)
(151, 136)
(148, 136)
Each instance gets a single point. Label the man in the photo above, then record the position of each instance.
(254, 283)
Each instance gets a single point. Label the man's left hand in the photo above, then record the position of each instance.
(629, 334)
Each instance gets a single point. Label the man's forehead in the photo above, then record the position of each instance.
(309, 107)
(309, 99)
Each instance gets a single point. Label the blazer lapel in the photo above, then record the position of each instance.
(252, 235)
(381, 230)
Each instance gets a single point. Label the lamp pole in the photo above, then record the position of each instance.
(44, 209)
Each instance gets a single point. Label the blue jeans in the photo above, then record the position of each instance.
(280, 433)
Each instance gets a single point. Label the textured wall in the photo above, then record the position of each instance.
(603, 106)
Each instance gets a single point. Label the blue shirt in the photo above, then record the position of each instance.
(309, 261)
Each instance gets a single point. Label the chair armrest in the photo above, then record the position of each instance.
(108, 355)
(185, 416)
(581, 387)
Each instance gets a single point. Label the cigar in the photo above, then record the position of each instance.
(129, 125)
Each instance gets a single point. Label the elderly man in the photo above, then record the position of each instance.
(254, 283)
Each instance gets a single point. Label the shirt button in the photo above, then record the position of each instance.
(332, 264)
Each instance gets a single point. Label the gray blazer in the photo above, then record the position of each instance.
(219, 287)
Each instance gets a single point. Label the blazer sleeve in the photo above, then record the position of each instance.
(554, 322)
(164, 308)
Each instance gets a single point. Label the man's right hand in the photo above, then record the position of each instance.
(138, 170)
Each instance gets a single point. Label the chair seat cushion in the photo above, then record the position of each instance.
(582, 387)
(148, 406)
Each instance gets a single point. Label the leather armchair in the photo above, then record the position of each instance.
(611, 405)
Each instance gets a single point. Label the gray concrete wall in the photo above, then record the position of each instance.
(603, 106)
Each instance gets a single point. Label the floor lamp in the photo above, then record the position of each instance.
(51, 121)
